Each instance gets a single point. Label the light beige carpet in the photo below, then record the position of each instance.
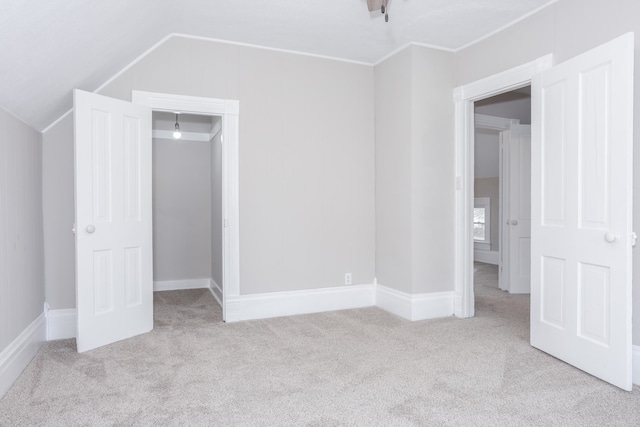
(353, 367)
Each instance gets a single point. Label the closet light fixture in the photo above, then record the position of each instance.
(176, 133)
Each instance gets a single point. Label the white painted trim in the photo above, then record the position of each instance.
(230, 111)
(21, 351)
(515, 78)
(417, 306)
(393, 301)
(215, 130)
(185, 104)
(176, 285)
(464, 97)
(509, 25)
(186, 136)
(485, 121)
(480, 246)
(488, 257)
(635, 365)
(216, 291)
(277, 304)
(61, 324)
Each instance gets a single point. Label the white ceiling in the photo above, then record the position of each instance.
(50, 47)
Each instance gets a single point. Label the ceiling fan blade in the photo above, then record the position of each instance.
(374, 4)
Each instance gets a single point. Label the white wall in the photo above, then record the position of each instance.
(393, 171)
(511, 105)
(486, 153)
(58, 215)
(564, 29)
(414, 171)
(21, 250)
(216, 210)
(432, 166)
(181, 210)
(306, 159)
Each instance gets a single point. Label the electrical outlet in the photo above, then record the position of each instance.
(347, 278)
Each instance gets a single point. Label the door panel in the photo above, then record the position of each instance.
(519, 141)
(581, 204)
(114, 288)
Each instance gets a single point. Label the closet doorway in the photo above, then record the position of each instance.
(187, 202)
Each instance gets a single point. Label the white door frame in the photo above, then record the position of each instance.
(464, 98)
(229, 110)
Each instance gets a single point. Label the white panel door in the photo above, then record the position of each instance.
(505, 173)
(114, 266)
(581, 218)
(519, 223)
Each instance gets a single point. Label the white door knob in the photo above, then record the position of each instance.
(514, 222)
(610, 237)
(90, 228)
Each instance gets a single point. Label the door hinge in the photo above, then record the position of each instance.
(225, 223)
(634, 239)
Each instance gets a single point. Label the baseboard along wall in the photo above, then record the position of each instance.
(177, 285)
(61, 324)
(216, 291)
(415, 306)
(21, 351)
(277, 304)
(488, 257)
(635, 365)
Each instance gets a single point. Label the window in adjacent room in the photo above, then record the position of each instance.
(481, 220)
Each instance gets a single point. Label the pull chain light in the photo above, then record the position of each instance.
(176, 133)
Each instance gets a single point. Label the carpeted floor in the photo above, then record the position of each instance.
(353, 367)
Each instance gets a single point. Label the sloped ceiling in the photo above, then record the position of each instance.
(50, 47)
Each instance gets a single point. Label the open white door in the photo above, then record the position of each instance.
(114, 266)
(519, 222)
(582, 117)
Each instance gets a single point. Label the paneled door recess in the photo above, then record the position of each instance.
(114, 265)
(581, 211)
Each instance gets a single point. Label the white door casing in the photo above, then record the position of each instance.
(229, 110)
(114, 265)
(464, 98)
(582, 112)
(519, 218)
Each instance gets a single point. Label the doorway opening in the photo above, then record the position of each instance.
(187, 202)
(502, 194)
(465, 97)
(228, 111)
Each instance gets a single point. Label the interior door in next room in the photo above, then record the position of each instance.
(519, 209)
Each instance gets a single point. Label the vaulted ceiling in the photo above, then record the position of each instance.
(50, 47)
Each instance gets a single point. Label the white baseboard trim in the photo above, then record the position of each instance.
(61, 324)
(488, 257)
(416, 306)
(216, 291)
(19, 353)
(176, 285)
(277, 304)
(635, 364)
